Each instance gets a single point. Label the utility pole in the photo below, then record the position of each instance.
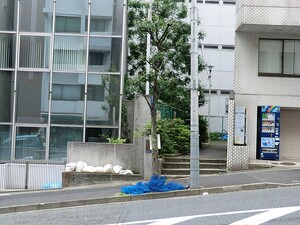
(194, 160)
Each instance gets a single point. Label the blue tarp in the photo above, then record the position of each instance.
(157, 183)
(52, 185)
(224, 137)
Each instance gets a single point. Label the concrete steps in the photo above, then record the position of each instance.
(179, 166)
(187, 159)
(186, 165)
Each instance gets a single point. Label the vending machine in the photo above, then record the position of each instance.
(269, 132)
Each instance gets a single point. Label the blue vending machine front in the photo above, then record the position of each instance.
(270, 132)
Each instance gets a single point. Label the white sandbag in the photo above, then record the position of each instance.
(88, 169)
(69, 169)
(108, 168)
(72, 164)
(99, 169)
(126, 172)
(117, 169)
(80, 165)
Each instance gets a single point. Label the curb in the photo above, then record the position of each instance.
(149, 196)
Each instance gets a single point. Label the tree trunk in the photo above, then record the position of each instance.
(155, 164)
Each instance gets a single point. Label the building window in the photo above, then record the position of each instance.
(279, 57)
(97, 25)
(95, 93)
(291, 57)
(66, 92)
(67, 24)
(96, 58)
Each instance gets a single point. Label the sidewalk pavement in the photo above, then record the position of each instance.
(17, 201)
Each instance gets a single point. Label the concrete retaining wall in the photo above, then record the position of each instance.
(129, 156)
(73, 179)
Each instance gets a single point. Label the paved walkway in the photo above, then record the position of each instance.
(214, 150)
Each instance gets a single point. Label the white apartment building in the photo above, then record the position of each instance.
(267, 72)
(217, 22)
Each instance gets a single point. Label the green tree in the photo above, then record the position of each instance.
(111, 85)
(169, 57)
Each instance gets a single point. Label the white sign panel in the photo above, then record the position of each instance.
(240, 126)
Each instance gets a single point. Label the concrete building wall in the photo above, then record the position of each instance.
(237, 156)
(252, 90)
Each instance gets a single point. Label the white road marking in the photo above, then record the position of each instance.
(266, 216)
(174, 220)
(188, 217)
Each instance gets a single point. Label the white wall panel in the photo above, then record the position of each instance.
(222, 73)
(226, 80)
(227, 15)
(218, 23)
(227, 60)
(2, 176)
(212, 35)
(227, 35)
(211, 15)
(218, 103)
(12, 175)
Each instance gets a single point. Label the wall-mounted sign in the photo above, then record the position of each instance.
(240, 126)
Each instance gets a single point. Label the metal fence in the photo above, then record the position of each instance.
(218, 124)
(30, 175)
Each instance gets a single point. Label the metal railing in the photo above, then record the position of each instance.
(218, 124)
(20, 174)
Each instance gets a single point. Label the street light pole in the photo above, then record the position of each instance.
(209, 99)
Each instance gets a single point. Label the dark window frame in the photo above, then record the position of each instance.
(66, 27)
(282, 74)
(94, 55)
(61, 98)
(93, 93)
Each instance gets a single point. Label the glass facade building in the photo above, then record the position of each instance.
(61, 75)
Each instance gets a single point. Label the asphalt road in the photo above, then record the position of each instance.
(268, 206)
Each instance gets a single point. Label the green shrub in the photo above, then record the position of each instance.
(203, 131)
(116, 140)
(174, 135)
(216, 136)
